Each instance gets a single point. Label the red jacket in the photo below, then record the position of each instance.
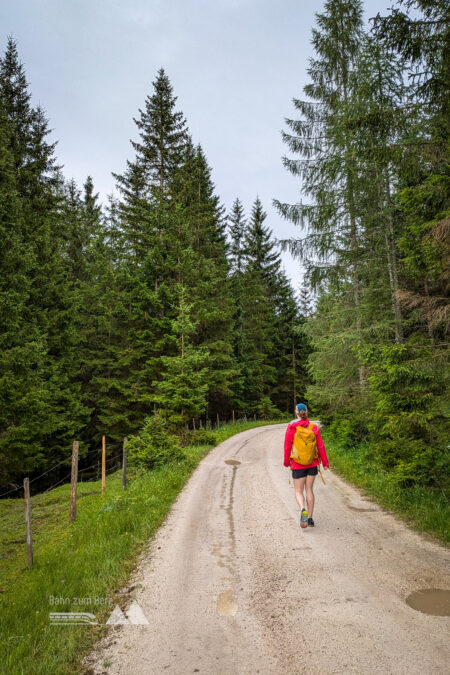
(289, 439)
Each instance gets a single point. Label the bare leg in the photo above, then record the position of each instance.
(310, 494)
(299, 486)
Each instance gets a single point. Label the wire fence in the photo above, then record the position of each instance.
(103, 466)
(208, 425)
(55, 466)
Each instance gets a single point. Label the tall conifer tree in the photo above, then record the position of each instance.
(140, 222)
(199, 214)
(236, 229)
(49, 305)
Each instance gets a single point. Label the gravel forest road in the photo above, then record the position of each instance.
(231, 584)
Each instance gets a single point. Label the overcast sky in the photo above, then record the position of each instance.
(235, 66)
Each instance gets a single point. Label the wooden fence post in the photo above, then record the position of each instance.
(26, 487)
(193, 423)
(218, 420)
(103, 462)
(232, 415)
(124, 464)
(73, 483)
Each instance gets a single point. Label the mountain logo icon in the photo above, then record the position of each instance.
(134, 615)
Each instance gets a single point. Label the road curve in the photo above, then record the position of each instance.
(231, 584)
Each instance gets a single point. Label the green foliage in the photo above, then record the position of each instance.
(201, 265)
(181, 391)
(408, 432)
(201, 437)
(371, 148)
(109, 314)
(237, 227)
(266, 410)
(425, 207)
(349, 429)
(424, 507)
(95, 331)
(155, 445)
(268, 342)
(40, 391)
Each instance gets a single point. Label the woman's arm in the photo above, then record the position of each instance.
(321, 448)
(288, 440)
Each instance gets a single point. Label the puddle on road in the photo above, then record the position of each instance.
(226, 606)
(223, 559)
(233, 462)
(433, 601)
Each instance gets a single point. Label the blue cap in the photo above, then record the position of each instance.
(301, 406)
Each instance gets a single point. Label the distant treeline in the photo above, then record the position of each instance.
(370, 145)
(110, 313)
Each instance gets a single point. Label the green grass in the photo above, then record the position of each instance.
(90, 558)
(424, 509)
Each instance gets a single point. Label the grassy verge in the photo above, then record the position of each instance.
(424, 509)
(87, 560)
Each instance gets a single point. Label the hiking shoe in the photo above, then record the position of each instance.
(310, 522)
(304, 518)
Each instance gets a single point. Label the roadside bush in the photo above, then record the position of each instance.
(349, 429)
(266, 410)
(155, 445)
(201, 437)
(342, 431)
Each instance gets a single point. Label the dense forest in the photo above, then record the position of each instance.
(161, 303)
(158, 302)
(369, 142)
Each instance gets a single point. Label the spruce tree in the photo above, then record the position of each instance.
(374, 163)
(258, 311)
(139, 223)
(181, 391)
(327, 172)
(236, 229)
(410, 382)
(49, 305)
(202, 250)
(290, 347)
(105, 347)
(24, 392)
(331, 249)
(237, 225)
(260, 249)
(267, 336)
(305, 301)
(163, 137)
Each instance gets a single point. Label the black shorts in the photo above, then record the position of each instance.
(301, 473)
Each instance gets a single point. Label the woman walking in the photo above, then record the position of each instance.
(303, 452)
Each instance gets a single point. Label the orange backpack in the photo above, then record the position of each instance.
(304, 447)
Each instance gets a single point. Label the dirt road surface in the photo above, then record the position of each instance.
(232, 585)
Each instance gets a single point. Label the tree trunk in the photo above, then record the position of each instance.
(293, 367)
(355, 272)
(393, 272)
